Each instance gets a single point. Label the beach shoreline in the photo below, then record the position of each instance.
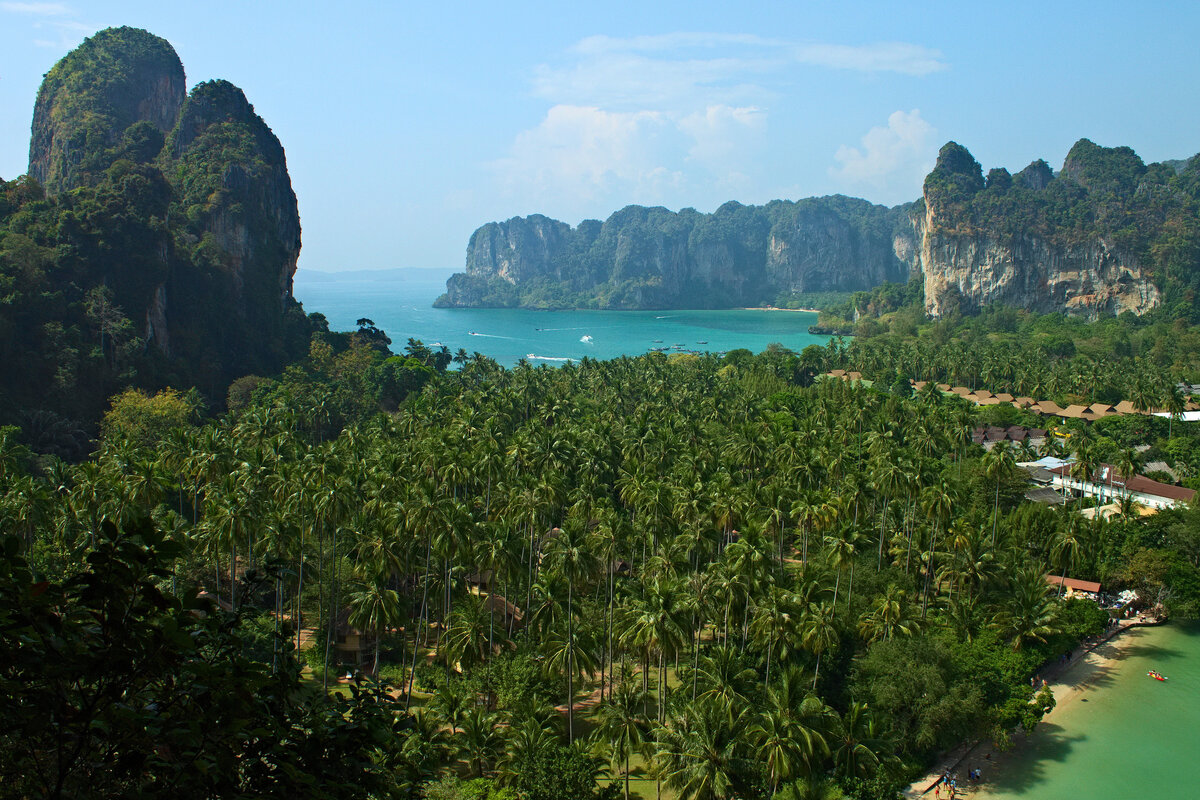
(777, 308)
(1089, 664)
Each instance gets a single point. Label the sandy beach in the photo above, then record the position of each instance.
(1088, 671)
(776, 308)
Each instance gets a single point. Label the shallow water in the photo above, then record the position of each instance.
(1128, 736)
(402, 306)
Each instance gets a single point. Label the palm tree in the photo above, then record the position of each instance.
(996, 465)
(571, 553)
(774, 738)
(1031, 612)
(374, 609)
(890, 614)
(479, 741)
(819, 633)
(723, 678)
(700, 753)
(620, 729)
(656, 624)
(859, 744)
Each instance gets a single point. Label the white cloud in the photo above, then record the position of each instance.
(697, 69)
(36, 9)
(680, 116)
(901, 57)
(722, 134)
(582, 152)
(892, 159)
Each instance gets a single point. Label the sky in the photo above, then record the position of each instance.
(408, 125)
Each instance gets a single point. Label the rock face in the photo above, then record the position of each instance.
(91, 103)
(653, 258)
(1107, 235)
(973, 253)
(212, 287)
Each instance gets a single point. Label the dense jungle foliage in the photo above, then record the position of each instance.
(714, 575)
(75, 270)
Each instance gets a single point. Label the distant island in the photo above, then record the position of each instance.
(1105, 235)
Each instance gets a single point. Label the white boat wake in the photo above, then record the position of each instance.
(532, 357)
(585, 339)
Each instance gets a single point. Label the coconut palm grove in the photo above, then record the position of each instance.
(689, 576)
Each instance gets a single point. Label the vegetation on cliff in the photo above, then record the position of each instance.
(1151, 212)
(159, 250)
(654, 258)
(114, 97)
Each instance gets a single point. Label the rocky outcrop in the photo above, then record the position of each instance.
(114, 96)
(975, 250)
(215, 290)
(654, 258)
(966, 272)
(231, 175)
(1106, 235)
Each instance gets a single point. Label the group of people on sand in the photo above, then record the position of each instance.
(950, 781)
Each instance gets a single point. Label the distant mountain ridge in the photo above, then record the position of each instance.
(1107, 234)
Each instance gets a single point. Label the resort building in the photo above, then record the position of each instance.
(1107, 484)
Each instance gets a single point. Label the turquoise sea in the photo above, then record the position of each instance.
(401, 303)
(1127, 736)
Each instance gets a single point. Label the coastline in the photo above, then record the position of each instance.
(777, 308)
(1089, 669)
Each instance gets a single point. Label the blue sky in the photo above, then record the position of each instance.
(408, 125)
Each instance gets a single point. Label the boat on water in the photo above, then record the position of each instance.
(1158, 676)
(585, 338)
(702, 342)
(658, 341)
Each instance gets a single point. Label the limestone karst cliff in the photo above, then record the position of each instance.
(154, 239)
(1034, 244)
(654, 258)
(115, 96)
(1106, 235)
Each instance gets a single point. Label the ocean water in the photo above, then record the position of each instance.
(401, 303)
(1127, 737)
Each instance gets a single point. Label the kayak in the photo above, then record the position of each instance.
(1156, 676)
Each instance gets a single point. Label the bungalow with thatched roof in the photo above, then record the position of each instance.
(1004, 397)
(1125, 407)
